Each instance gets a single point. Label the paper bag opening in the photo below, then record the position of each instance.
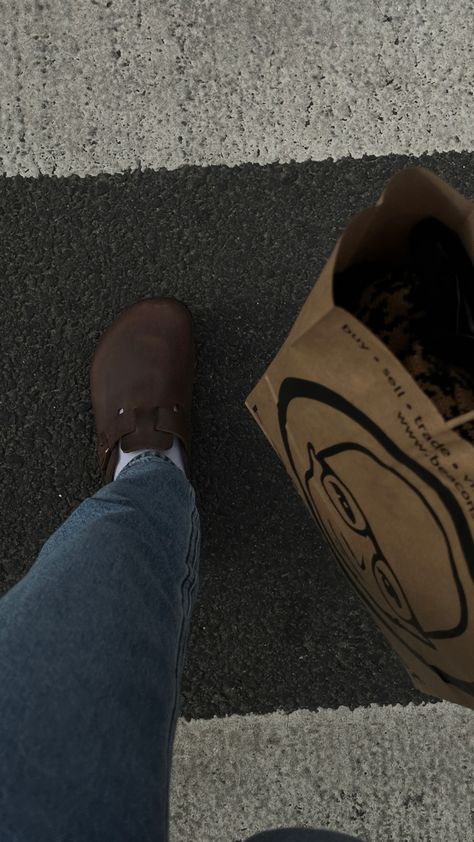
(421, 306)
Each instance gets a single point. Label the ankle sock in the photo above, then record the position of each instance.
(175, 453)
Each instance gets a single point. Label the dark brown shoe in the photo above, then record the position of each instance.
(141, 381)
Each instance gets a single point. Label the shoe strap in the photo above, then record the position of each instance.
(143, 428)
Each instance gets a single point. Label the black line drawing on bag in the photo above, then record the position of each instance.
(357, 543)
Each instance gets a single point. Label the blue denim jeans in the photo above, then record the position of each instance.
(92, 642)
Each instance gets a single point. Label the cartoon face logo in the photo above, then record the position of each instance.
(355, 544)
(392, 526)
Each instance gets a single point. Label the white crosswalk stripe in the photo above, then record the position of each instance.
(102, 87)
(387, 773)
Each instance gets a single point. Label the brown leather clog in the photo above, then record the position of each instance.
(141, 381)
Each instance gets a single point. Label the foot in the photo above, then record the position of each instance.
(141, 381)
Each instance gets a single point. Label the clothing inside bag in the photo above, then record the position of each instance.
(422, 308)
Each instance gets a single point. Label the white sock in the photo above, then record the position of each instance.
(175, 453)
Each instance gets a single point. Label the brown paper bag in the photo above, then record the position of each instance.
(389, 481)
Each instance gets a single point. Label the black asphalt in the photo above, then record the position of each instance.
(277, 626)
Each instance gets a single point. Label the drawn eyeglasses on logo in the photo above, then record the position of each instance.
(370, 559)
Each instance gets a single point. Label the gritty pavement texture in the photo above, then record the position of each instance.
(393, 774)
(277, 626)
(106, 85)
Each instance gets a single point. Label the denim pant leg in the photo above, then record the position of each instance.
(91, 654)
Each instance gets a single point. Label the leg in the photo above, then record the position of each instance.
(91, 652)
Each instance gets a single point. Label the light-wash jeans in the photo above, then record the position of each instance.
(92, 642)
